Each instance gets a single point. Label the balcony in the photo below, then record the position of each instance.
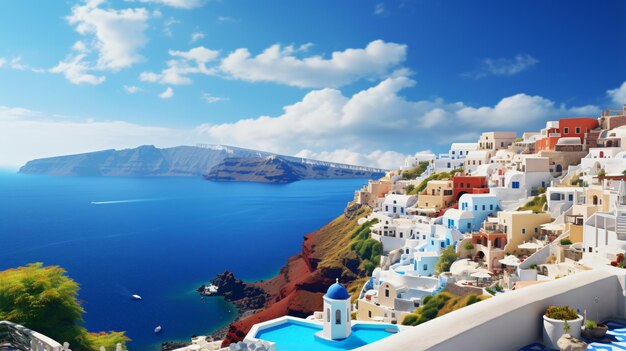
(16, 337)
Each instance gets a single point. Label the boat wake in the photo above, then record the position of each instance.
(122, 201)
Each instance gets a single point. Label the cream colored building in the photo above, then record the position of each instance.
(372, 193)
(520, 227)
(437, 195)
(496, 140)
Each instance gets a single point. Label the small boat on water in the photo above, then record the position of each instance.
(157, 329)
(136, 297)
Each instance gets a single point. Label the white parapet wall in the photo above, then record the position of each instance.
(512, 320)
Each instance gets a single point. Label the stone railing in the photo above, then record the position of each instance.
(15, 336)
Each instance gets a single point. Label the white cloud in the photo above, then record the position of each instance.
(618, 95)
(30, 134)
(167, 93)
(516, 111)
(379, 118)
(132, 89)
(167, 26)
(195, 36)
(281, 65)
(380, 9)
(376, 158)
(75, 69)
(117, 34)
(2, 61)
(181, 4)
(212, 99)
(183, 64)
(502, 66)
(227, 19)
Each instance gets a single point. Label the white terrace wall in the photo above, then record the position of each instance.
(512, 320)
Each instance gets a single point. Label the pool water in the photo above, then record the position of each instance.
(295, 336)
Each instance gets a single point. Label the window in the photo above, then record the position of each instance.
(461, 185)
(394, 209)
(468, 185)
(475, 207)
(491, 207)
(386, 292)
(571, 197)
(386, 208)
(501, 143)
(425, 267)
(442, 244)
(461, 152)
(400, 234)
(453, 152)
(401, 209)
(536, 230)
(565, 130)
(515, 185)
(338, 317)
(577, 130)
(369, 314)
(484, 208)
(590, 249)
(469, 225)
(328, 315)
(523, 230)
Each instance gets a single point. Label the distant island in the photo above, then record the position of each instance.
(213, 162)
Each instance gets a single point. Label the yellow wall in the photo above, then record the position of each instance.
(515, 221)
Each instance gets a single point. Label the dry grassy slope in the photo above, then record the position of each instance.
(298, 288)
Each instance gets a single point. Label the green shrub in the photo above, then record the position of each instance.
(490, 290)
(468, 246)
(409, 189)
(426, 298)
(498, 288)
(415, 171)
(430, 312)
(590, 324)
(446, 258)
(561, 313)
(409, 319)
(472, 299)
(565, 242)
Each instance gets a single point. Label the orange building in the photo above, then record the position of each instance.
(566, 128)
(469, 185)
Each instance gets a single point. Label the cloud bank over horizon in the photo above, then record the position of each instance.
(366, 128)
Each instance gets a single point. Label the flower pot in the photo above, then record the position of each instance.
(553, 330)
(596, 333)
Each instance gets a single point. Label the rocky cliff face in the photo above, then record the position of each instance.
(218, 163)
(275, 169)
(298, 289)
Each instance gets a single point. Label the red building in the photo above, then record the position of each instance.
(468, 185)
(568, 128)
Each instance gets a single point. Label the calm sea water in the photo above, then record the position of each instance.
(160, 238)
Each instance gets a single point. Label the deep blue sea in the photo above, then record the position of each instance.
(159, 238)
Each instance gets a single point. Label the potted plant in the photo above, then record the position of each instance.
(593, 330)
(556, 320)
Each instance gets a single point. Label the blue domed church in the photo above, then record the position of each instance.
(337, 311)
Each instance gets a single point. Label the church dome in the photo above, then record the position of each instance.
(337, 292)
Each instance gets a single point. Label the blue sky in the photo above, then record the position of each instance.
(364, 82)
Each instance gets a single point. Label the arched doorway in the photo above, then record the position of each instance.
(460, 194)
(559, 168)
(595, 199)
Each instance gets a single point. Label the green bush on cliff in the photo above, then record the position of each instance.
(366, 248)
(45, 299)
(415, 171)
(535, 205)
(438, 305)
(446, 258)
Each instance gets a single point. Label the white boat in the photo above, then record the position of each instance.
(212, 289)
(136, 297)
(157, 329)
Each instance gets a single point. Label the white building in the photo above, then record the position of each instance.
(395, 205)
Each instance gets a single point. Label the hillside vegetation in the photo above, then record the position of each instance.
(44, 299)
(415, 171)
(438, 305)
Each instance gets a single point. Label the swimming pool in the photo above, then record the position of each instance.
(300, 336)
